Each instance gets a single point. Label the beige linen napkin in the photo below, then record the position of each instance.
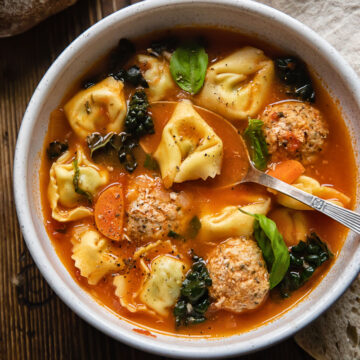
(337, 21)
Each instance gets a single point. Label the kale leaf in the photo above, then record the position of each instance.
(294, 73)
(150, 163)
(138, 122)
(125, 146)
(255, 140)
(56, 149)
(305, 258)
(191, 231)
(97, 142)
(193, 228)
(121, 55)
(165, 44)
(194, 296)
(132, 76)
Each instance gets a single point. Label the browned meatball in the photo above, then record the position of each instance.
(294, 130)
(153, 211)
(240, 280)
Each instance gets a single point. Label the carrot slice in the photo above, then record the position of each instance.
(109, 212)
(287, 171)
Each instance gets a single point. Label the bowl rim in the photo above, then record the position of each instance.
(24, 211)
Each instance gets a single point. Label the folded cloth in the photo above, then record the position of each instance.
(17, 16)
(337, 21)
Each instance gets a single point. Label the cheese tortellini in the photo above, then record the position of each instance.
(62, 196)
(93, 257)
(189, 148)
(100, 108)
(157, 75)
(312, 186)
(231, 222)
(237, 86)
(162, 289)
(126, 297)
(292, 224)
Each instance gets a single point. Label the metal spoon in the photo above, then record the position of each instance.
(249, 173)
(346, 217)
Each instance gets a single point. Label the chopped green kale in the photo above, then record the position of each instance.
(194, 299)
(165, 44)
(121, 55)
(131, 76)
(150, 163)
(138, 122)
(174, 235)
(294, 73)
(193, 228)
(97, 142)
(305, 258)
(56, 149)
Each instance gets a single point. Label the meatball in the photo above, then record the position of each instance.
(153, 211)
(294, 130)
(240, 280)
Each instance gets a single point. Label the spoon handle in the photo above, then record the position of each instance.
(344, 216)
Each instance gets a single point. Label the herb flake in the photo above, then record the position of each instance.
(150, 163)
(76, 182)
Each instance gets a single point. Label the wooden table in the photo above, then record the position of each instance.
(34, 323)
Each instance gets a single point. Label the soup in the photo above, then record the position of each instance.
(139, 181)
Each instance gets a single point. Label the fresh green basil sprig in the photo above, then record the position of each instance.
(273, 247)
(255, 140)
(188, 66)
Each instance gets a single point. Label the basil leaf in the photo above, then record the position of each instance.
(264, 244)
(76, 182)
(255, 139)
(188, 66)
(273, 247)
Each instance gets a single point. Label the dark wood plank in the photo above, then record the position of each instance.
(34, 323)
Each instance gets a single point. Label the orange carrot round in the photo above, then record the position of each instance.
(287, 171)
(109, 212)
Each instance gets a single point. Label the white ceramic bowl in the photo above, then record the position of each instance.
(248, 17)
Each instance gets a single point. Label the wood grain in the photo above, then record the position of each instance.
(34, 323)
